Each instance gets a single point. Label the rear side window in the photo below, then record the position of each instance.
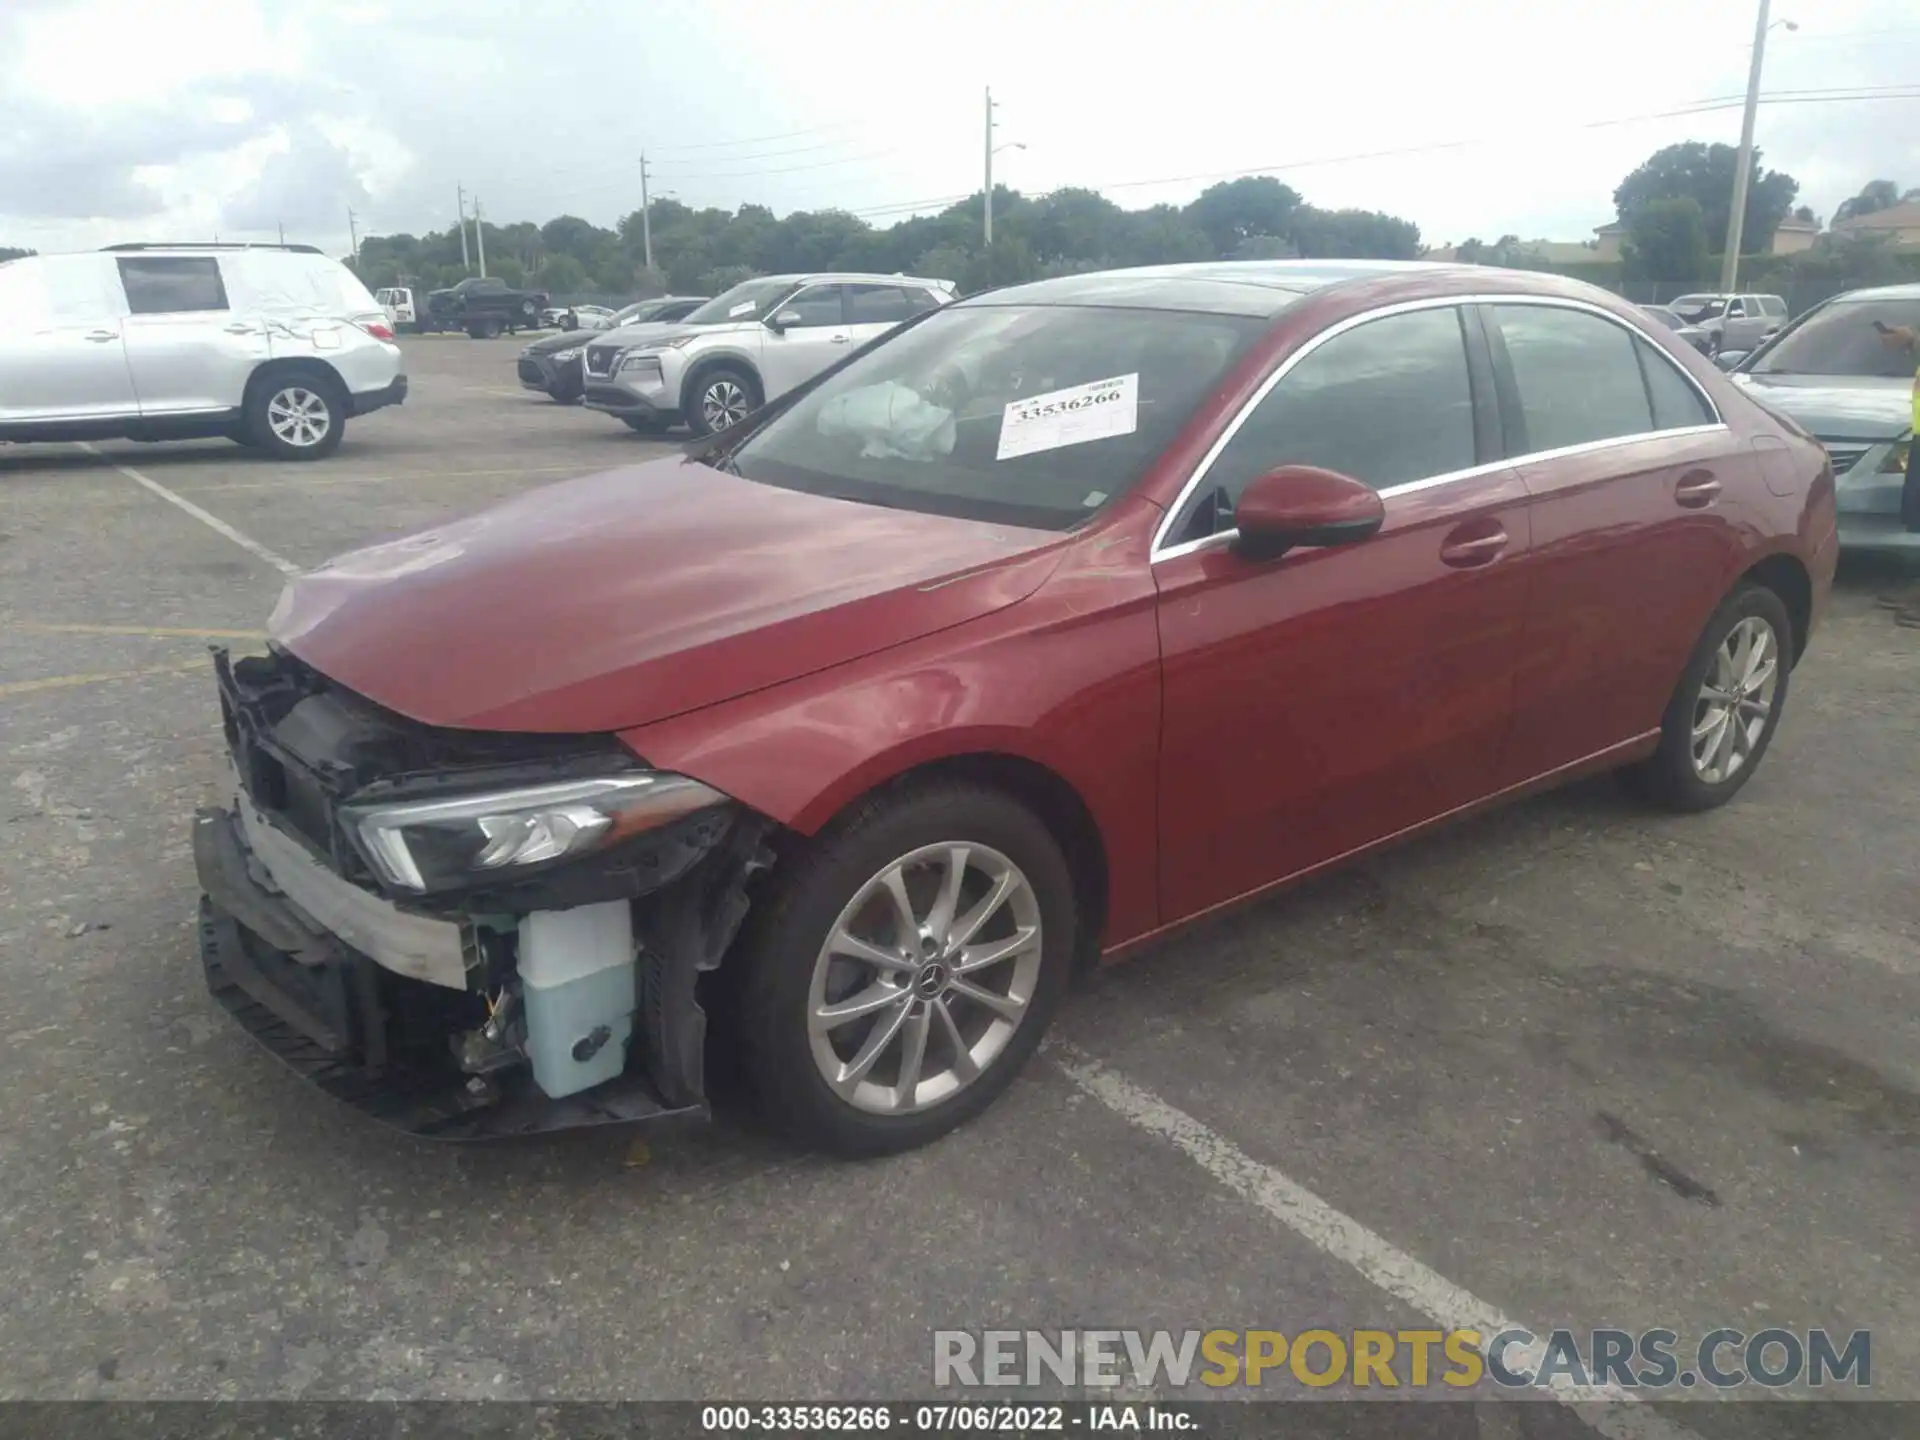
(1387, 402)
(1577, 376)
(1774, 306)
(878, 305)
(172, 284)
(1676, 403)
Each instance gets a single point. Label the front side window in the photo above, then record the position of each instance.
(814, 306)
(749, 300)
(172, 284)
(1387, 402)
(1577, 375)
(1863, 338)
(1035, 415)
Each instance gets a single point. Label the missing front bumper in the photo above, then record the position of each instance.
(377, 1040)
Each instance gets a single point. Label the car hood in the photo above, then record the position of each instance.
(634, 334)
(567, 341)
(619, 599)
(1837, 407)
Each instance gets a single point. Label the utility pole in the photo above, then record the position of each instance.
(480, 236)
(989, 190)
(460, 194)
(1743, 166)
(646, 215)
(353, 235)
(283, 234)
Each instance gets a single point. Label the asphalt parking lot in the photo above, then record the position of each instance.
(1578, 1064)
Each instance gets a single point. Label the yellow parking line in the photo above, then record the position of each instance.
(61, 682)
(162, 632)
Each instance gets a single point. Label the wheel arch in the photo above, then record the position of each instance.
(705, 365)
(1786, 575)
(289, 368)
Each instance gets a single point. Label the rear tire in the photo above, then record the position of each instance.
(1726, 707)
(947, 1055)
(643, 425)
(721, 398)
(297, 416)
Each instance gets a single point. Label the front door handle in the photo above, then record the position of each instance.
(241, 328)
(1696, 489)
(838, 339)
(1470, 546)
(101, 337)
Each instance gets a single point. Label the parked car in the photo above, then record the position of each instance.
(1732, 322)
(748, 346)
(552, 365)
(1698, 338)
(485, 305)
(1831, 374)
(274, 346)
(1063, 615)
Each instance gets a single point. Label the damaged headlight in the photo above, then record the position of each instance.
(426, 845)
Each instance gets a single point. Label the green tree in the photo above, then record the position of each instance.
(563, 275)
(7, 252)
(1235, 210)
(1667, 240)
(1874, 196)
(1353, 235)
(1704, 173)
(724, 278)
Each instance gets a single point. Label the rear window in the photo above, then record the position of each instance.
(172, 284)
(1865, 338)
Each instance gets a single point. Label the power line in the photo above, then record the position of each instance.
(686, 176)
(781, 154)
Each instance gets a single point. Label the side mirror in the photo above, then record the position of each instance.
(1300, 505)
(782, 322)
(1727, 359)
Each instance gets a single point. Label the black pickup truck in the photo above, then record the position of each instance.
(483, 306)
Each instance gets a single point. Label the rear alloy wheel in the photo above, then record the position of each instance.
(722, 399)
(906, 968)
(1724, 712)
(303, 418)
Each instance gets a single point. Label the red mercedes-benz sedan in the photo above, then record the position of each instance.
(1059, 617)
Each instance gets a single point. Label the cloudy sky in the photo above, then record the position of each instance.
(123, 119)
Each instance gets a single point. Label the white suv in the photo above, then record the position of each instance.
(273, 346)
(746, 347)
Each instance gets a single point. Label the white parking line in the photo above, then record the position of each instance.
(1606, 1408)
(212, 522)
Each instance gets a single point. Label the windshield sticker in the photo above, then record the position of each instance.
(1095, 411)
(745, 307)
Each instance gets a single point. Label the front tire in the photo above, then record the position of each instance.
(722, 398)
(1726, 707)
(643, 425)
(297, 417)
(904, 967)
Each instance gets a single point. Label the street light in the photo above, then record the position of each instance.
(1743, 164)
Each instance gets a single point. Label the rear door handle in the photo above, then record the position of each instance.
(1696, 489)
(101, 337)
(1464, 549)
(241, 328)
(839, 339)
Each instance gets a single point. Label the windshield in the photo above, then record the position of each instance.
(631, 314)
(1695, 308)
(1028, 415)
(746, 301)
(1866, 338)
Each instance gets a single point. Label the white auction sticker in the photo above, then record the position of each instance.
(1073, 416)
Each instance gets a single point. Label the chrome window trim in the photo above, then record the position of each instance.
(1160, 550)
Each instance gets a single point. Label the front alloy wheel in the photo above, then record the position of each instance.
(723, 404)
(924, 978)
(901, 966)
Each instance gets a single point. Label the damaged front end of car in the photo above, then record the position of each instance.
(467, 935)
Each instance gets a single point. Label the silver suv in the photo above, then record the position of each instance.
(274, 346)
(746, 347)
(1732, 322)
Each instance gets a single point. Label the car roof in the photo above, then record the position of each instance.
(1258, 288)
(1907, 291)
(817, 277)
